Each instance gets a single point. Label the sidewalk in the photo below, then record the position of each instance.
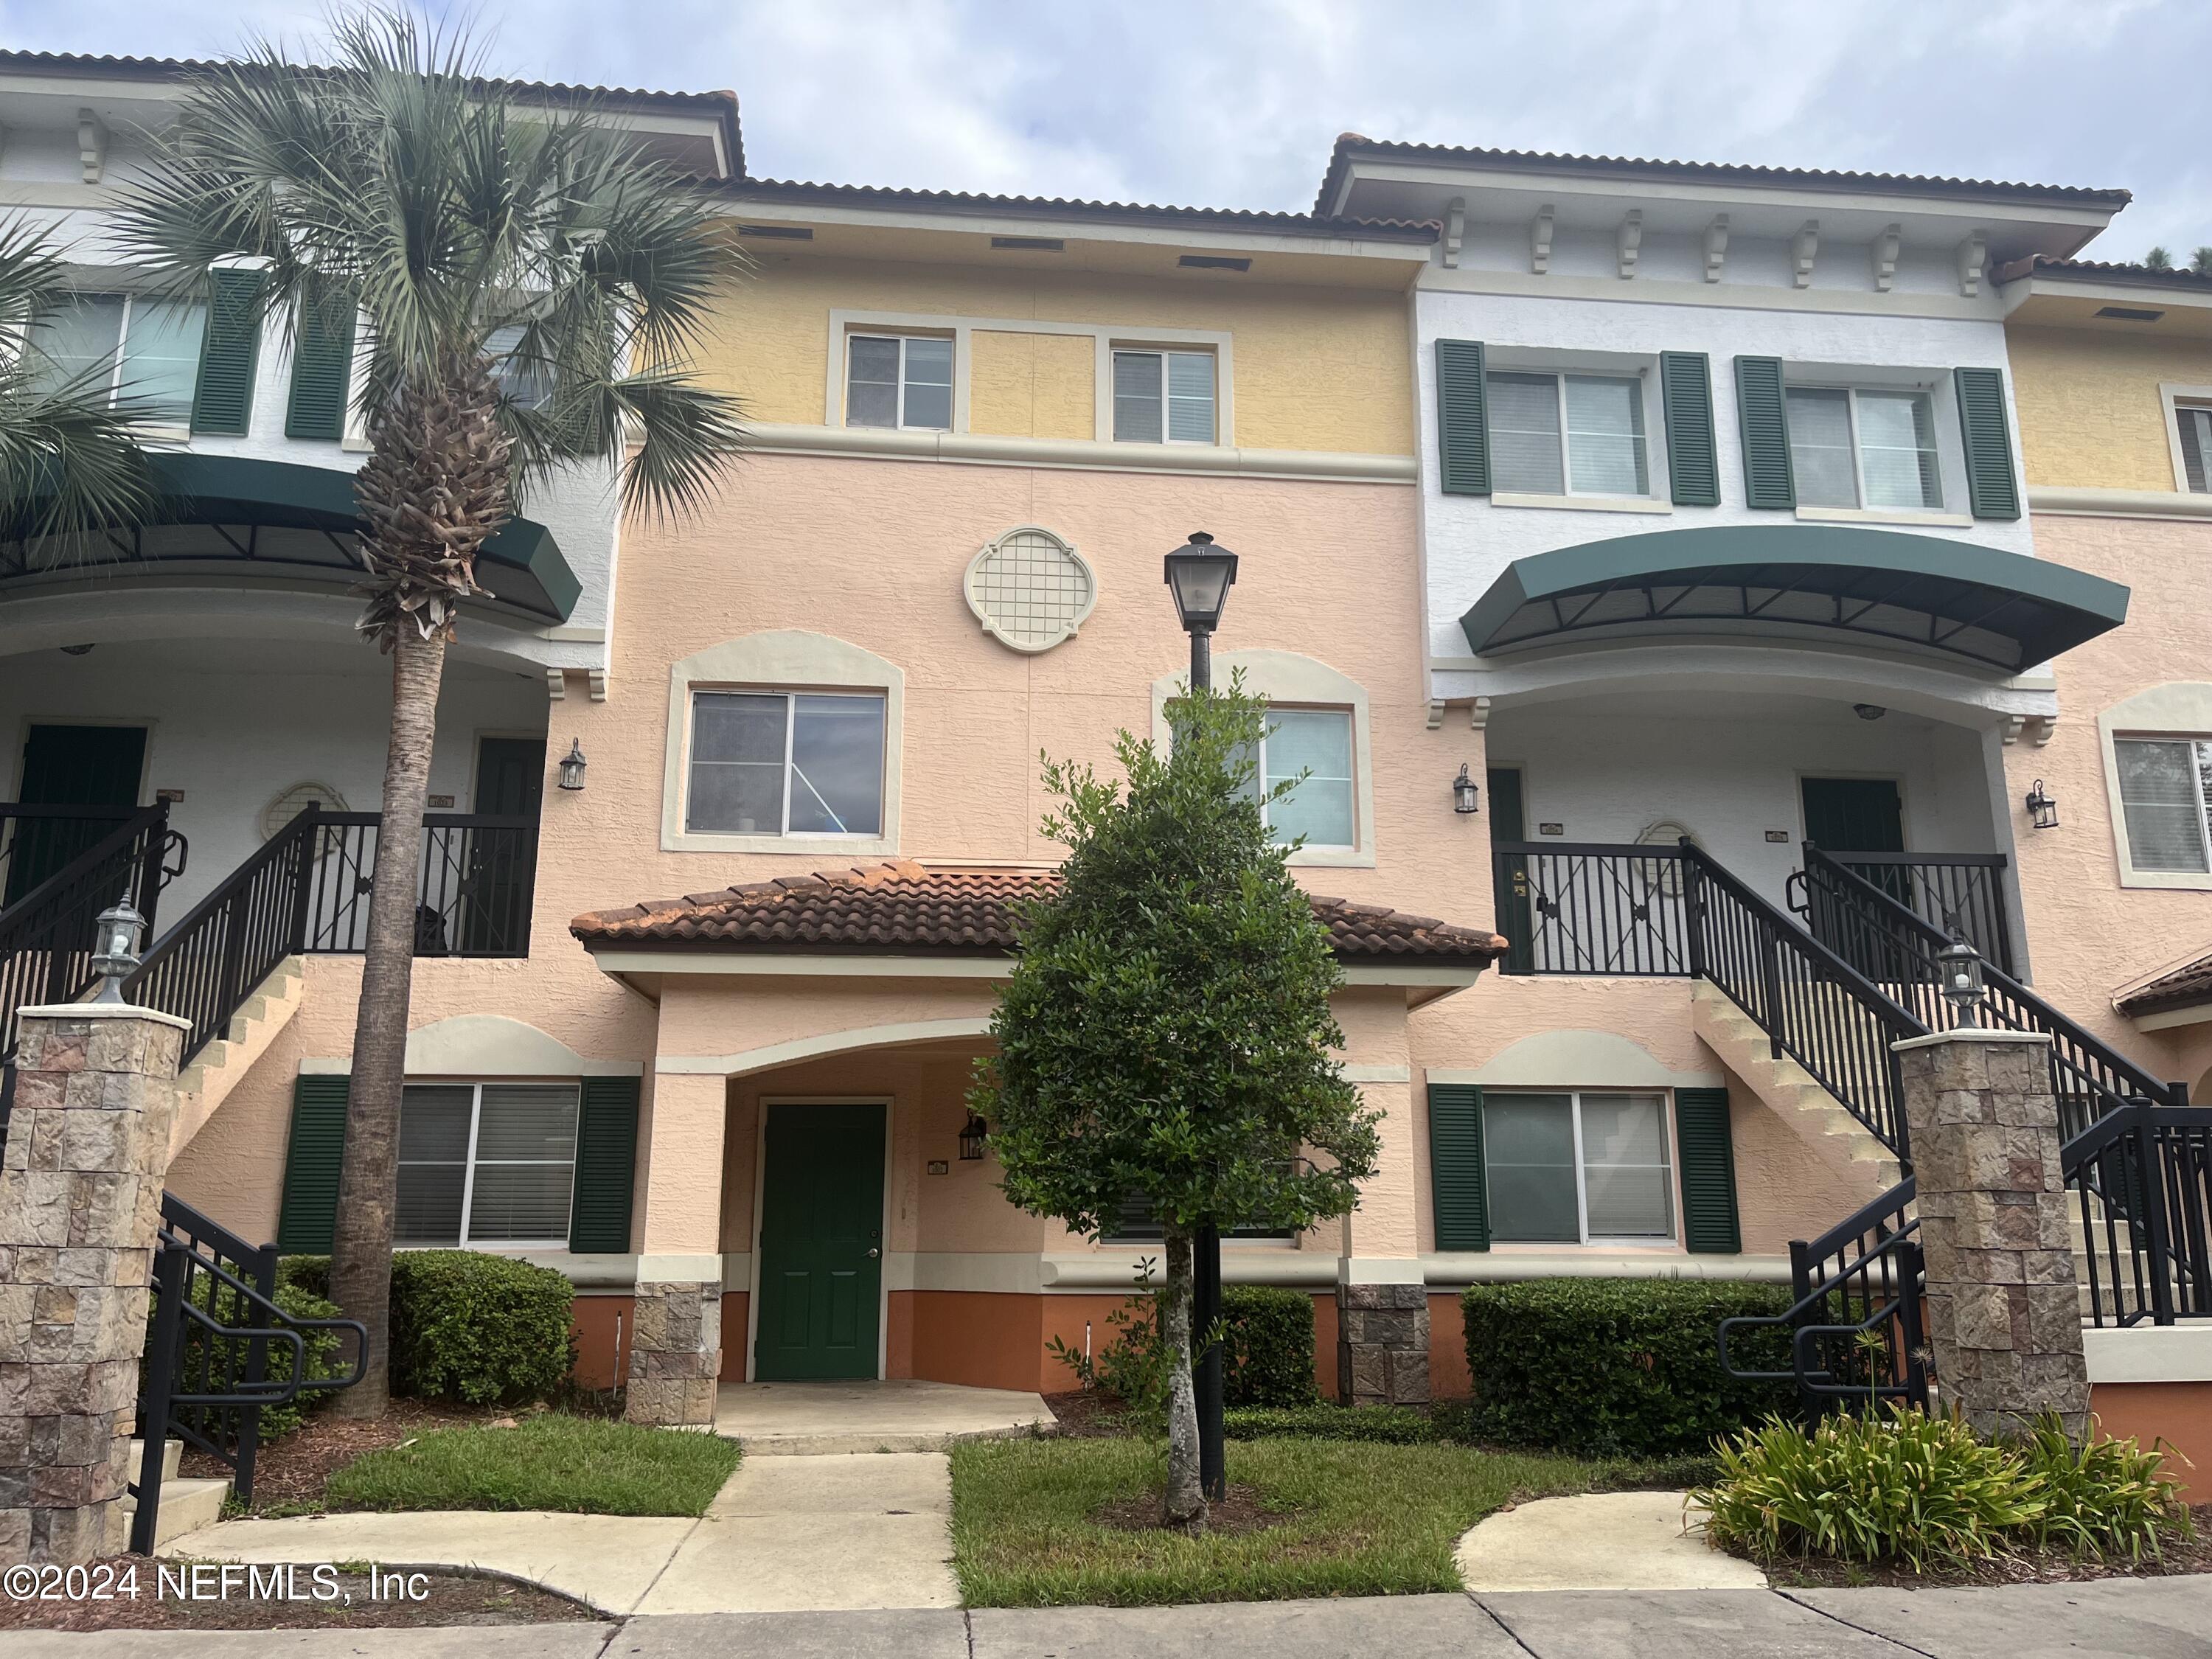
(2112, 1619)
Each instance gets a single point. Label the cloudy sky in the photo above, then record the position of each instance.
(1234, 103)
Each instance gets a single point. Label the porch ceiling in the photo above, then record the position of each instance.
(246, 515)
(1894, 588)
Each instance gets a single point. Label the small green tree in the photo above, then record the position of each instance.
(1167, 1030)
(2158, 260)
(2201, 261)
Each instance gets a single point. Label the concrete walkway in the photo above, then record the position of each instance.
(1615, 1541)
(2115, 1619)
(772, 1418)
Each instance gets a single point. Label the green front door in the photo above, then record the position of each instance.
(71, 766)
(821, 1242)
(1854, 815)
(1508, 872)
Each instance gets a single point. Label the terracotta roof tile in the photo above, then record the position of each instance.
(910, 908)
(2184, 987)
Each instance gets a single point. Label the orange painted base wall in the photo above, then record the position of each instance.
(2180, 1413)
(1449, 1376)
(601, 1324)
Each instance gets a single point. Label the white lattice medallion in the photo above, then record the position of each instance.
(1029, 589)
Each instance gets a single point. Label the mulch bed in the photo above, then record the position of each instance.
(1239, 1512)
(292, 1473)
(452, 1599)
(2050, 1566)
(1088, 1415)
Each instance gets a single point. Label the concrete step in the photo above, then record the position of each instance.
(173, 1454)
(215, 1071)
(188, 1502)
(1790, 1090)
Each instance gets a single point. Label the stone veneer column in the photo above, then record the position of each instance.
(80, 1203)
(2004, 1317)
(675, 1353)
(676, 1320)
(1382, 1299)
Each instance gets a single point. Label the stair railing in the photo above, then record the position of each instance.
(2142, 1176)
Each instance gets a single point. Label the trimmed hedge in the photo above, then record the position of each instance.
(1393, 1425)
(1619, 1367)
(466, 1326)
(226, 1307)
(1268, 1357)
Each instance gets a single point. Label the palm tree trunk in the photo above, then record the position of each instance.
(1186, 1498)
(361, 1246)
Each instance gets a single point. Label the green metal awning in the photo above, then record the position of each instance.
(1995, 608)
(282, 517)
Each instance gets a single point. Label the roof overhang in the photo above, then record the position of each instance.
(1891, 590)
(240, 516)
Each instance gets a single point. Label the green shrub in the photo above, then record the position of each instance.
(1131, 1364)
(1619, 1367)
(1395, 1425)
(2103, 1497)
(226, 1307)
(1268, 1348)
(478, 1328)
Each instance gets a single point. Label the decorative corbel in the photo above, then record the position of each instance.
(596, 679)
(1632, 239)
(2041, 728)
(556, 685)
(1540, 240)
(91, 144)
(1478, 716)
(1973, 261)
(2014, 726)
(1884, 256)
(1715, 247)
(1803, 248)
(1435, 714)
(1454, 231)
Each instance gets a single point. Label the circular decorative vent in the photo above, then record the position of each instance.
(1666, 879)
(1029, 589)
(290, 804)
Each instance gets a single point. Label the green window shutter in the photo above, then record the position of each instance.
(322, 368)
(1686, 389)
(224, 398)
(1707, 1154)
(310, 1211)
(1992, 489)
(1462, 1202)
(1764, 417)
(606, 1166)
(1462, 419)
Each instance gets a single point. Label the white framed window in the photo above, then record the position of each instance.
(2166, 802)
(1578, 1167)
(1859, 447)
(899, 382)
(529, 384)
(1163, 397)
(140, 349)
(785, 763)
(2192, 433)
(1323, 806)
(1567, 435)
(486, 1164)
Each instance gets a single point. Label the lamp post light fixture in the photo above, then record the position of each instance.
(2042, 811)
(1466, 793)
(1961, 966)
(1200, 574)
(572, 765)
(119, 926)
(974, 1133)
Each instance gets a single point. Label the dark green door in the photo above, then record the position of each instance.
(1509, 872)
(1854, 815)
(502, 863)
(71, 766)
(821, 1244)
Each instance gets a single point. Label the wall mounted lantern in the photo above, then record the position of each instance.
(2042, 811)
(973, 1135)
(1465, 794)
(118, 926)
(572, 765)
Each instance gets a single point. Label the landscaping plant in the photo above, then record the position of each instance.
(1166, 1030)
(1268, 1352)
(1131, 1366)
(479, 1328)
(2104, 1496)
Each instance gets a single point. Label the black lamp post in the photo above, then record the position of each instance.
(1201, 574)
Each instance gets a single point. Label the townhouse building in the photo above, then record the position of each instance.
(1737, 535)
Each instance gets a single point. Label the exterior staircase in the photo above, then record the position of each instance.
(215, 1070)
(187, 1504)
(1793, 1093)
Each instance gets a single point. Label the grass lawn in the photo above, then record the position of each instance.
(1358, 1519)
(584, 1466)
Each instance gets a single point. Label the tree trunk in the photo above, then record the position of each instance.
(361, 1248)
(1186, 1498)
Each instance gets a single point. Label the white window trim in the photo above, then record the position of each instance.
(845, 322)
(1587, 1240)
(786, 659)
(792, 774)
(2170, 396)
(1861, 512)
(475, 1087)
(903, 339)
(1654, 456)
(1123, 348)
(2176, 711)
(1300, 682)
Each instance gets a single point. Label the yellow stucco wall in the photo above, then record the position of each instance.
(2089, 411)
(1314, 367)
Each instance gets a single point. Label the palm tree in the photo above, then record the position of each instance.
(2201, 262)
(69, 454)
(531, 285)
(2158, 260)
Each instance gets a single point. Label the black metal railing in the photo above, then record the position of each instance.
(1571, 908)
(473, 890)
(2141, 1177)
(1952, 892)
(38, 841)
(1813, 1004)
(218, 1352)
(1856, 1332)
